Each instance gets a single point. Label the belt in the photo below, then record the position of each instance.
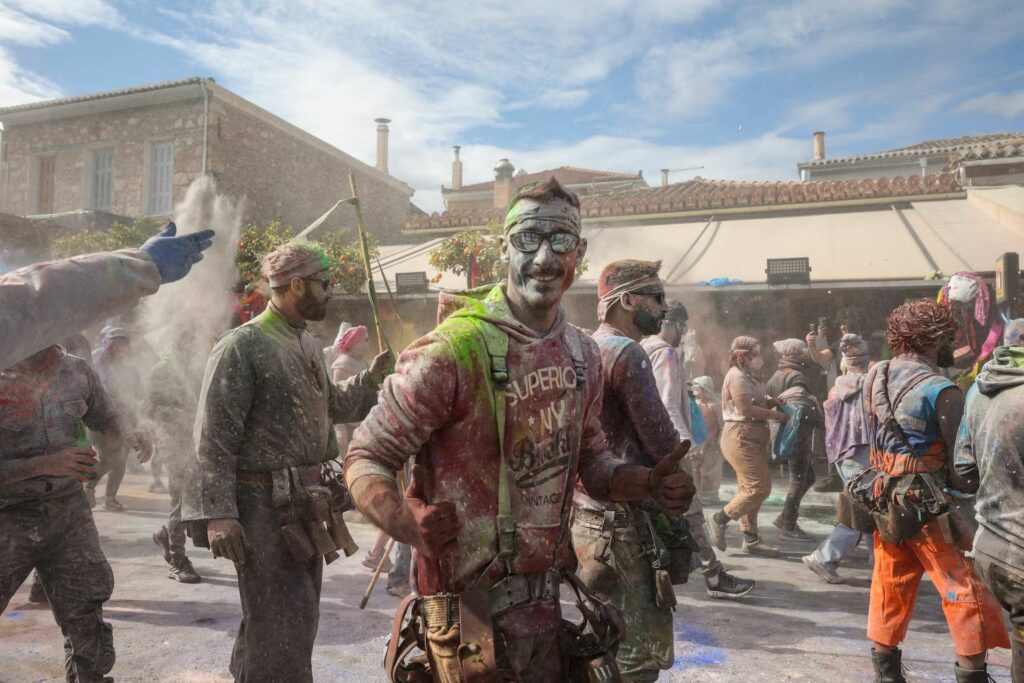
(308, 474)
(511, 591)
(595, 519)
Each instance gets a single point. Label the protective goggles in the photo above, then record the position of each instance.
(529, 241)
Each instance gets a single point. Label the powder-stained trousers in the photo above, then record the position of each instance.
(973, 615)
(280, 598)
(1006, 581)
(58, 538)
(745, 446)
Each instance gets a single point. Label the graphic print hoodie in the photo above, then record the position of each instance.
(437, 407)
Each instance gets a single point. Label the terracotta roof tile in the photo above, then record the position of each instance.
(954, 146)
(567, 175)
(698, 194)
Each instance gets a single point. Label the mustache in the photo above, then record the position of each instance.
(546, 272)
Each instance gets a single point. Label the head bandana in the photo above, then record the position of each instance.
(676, 312)
(294, 260)
(350, 338)
(854, 350)
(627, 277)
(792, 350)
(557, 211)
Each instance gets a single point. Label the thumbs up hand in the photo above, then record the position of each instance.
(669, 484)
(433, 529)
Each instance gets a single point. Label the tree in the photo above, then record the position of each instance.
(346, 259)
(117, 236)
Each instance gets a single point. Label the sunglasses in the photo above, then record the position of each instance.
(529, 241)
(325, 284)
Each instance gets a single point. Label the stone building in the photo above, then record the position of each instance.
(976, 161)
(497, 193)
(133, 152)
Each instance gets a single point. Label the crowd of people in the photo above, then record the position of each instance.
(513, 459)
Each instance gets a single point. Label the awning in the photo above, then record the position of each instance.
(904, 244)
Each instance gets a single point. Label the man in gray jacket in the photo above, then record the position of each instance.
(991, 438)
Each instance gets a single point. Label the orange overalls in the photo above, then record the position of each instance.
(972, 613)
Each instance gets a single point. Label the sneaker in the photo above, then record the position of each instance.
(398, 591)
(727, 586)
(183, 571)
(112, 505)
(371, 564)
(162, 539)
(825, 572)
(716, 532)
(796, 534)
(759, 548)
(157, 487)
(36, 593)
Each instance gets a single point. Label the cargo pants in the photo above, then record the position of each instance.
(58, 537)
(621, 572)
(280, 598)
(1006, 581)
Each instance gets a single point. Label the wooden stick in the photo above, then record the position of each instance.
(376, 573)
(371, 290)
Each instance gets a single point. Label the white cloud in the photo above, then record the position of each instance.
(692, 77)
(75, 12)
(19, 29)
(1008, 105)
(18, 86)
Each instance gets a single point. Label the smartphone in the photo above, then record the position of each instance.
(812, 328)
(822, 321)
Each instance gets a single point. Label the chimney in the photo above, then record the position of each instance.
(503, 183)
(664, 177)
(819, 145)
(382, 144)
(457, 170)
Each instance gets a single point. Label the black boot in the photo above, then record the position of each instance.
(888, 666)
(972, 675)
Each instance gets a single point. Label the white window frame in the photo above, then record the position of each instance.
(153, 169)
(96, 182)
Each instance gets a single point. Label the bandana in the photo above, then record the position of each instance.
(310, 266)
(854, 350)
(557, 211)
(350, 337)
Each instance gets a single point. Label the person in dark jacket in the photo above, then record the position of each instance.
(791, 384)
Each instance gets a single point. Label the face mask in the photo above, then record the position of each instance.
(945, 359)
(756, 363)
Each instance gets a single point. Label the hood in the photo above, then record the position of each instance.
(1005, 370)
(489, 304)
(849, 386)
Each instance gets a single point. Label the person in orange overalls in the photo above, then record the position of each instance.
(914, 413)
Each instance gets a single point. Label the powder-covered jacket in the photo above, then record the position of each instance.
(991, 439)
(635, 422)
(670, 377)
(437, 407)
(36, 420)
(43, 303)
(267, 402)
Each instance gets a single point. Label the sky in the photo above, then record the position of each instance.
(727, 89)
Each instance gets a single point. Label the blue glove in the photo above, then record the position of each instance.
(174, 256)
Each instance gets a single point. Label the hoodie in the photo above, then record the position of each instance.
(437, 408)
(991, 439)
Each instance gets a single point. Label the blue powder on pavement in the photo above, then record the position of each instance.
(11, 615)
(700, 647)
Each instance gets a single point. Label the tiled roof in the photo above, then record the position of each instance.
(566, 175)
(699, 194)
(1004, 148)
(929, 147)
(99, 95)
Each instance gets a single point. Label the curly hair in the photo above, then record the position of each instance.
(917, 325)
(741, 350)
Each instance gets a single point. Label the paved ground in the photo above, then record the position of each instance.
(792, 628)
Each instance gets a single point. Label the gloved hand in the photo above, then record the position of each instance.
(174, 256)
